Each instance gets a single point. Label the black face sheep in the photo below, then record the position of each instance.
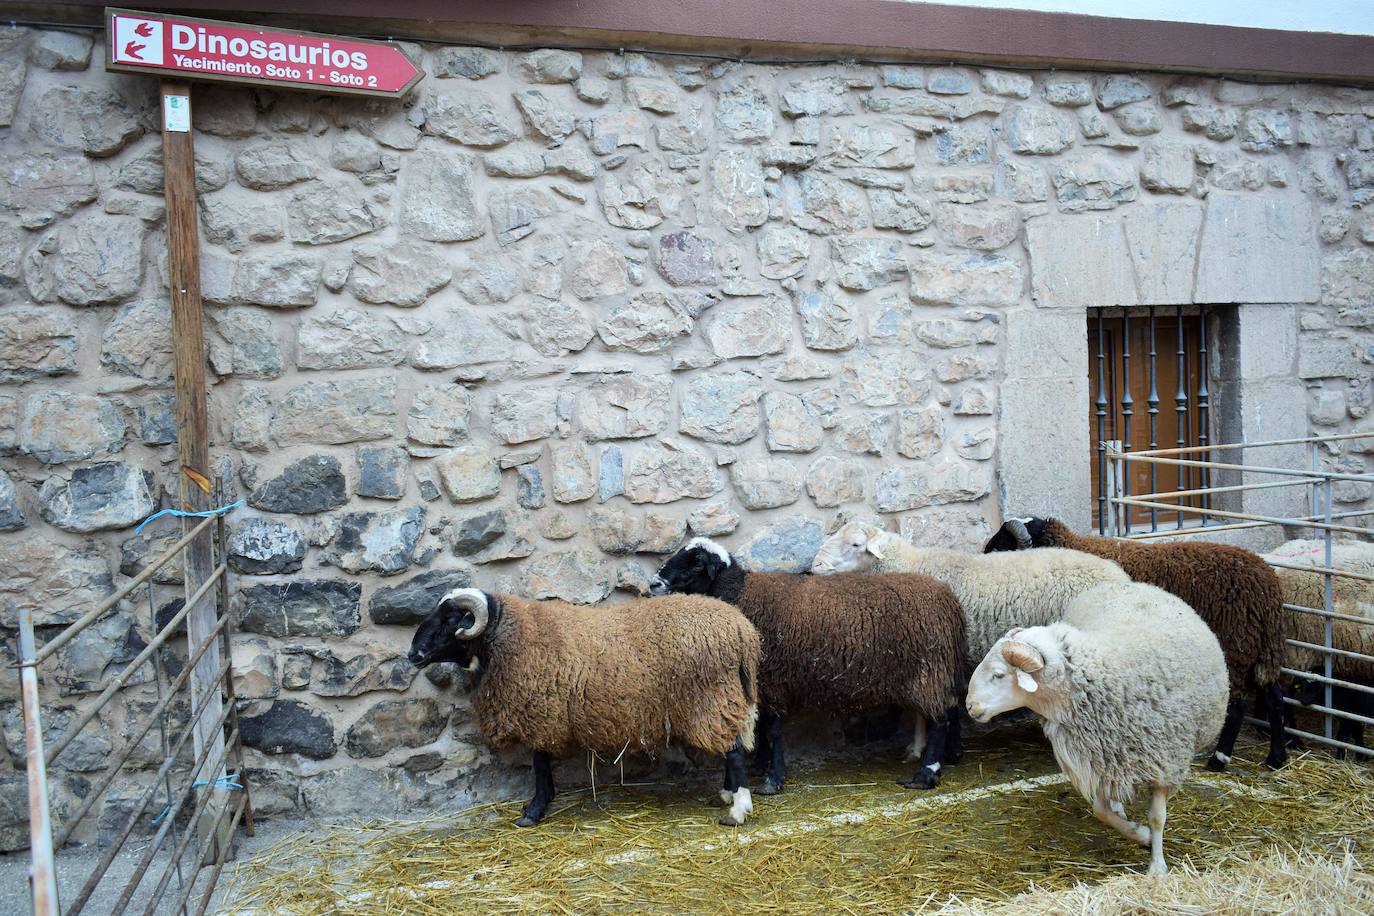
(559, 677)
(839, 644)
(996, 592)
(1232, 589)
(1130, 684)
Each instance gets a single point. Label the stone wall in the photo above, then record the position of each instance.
(555, 312)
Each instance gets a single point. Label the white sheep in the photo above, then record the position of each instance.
(997, 591)
(1130, 684)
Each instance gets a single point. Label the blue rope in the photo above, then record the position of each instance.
(228, 783)
(182, 514)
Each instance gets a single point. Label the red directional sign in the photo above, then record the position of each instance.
(239, 53)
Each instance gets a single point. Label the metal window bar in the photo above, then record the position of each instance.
(198, 840)
(1321, 519)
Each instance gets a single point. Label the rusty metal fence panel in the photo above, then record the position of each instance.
(1346, 699)
(181, 797)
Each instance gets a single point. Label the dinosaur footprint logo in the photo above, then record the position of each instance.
(137, 41)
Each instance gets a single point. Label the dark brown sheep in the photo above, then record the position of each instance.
(1232, 589)
(840, 644)
(641, 675)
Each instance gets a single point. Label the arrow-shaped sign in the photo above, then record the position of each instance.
(134, 50)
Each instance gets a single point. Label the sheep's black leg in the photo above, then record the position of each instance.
(954, 738)
(928, 773)
(543, 791)
(761, 743)
(1235, 715)
(736, 778)
(1278, 750)
(777, 767)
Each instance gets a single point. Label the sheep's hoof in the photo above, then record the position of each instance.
(729, 821)
(770, 787)
(1157, 870)
(1215, 764)
(526, 821)
(1275, 761)
(924, 779)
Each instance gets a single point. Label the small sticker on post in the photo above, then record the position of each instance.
(176, 113)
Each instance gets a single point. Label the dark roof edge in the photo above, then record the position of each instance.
(803, 29)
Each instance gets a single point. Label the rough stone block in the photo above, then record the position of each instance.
(1030, 421)
(1161, 239)
(1080, 262)
(1257, 248)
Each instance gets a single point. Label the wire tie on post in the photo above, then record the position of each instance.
(228, 783)
(181, 513)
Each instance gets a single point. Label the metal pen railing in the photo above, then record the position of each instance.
(198, 790)
(1337, 659)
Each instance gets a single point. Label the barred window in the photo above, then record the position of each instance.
(1148, 384)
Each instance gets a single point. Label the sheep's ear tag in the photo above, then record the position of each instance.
(1025, 681)
(874, 549)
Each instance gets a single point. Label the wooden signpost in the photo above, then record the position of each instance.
(180, 48)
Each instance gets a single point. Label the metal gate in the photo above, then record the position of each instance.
(1344, 697)
(184, 795)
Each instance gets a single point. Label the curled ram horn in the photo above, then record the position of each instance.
(474, 600)
(1022, 655)
(1017, 527)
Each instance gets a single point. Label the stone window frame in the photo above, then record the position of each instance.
(1251, 258)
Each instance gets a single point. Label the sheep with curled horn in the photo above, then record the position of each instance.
(1129, 685)
(559, 678)
(1232, 589)
(840, 644)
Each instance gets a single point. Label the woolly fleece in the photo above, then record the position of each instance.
(670, 670)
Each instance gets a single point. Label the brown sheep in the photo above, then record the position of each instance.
(840, 643)
(641, 675)
(1230, 588)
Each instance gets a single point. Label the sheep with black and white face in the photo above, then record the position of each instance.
(840, 644)
(558, 678)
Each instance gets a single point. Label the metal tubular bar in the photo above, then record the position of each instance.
(1174, 494)
(244, 806)
(1203, 405)
(1127, 410)
(226, 626)
(158, 676)
(167, 763)
(1321, 678)
(113, 687)
(201, 804)
(1343, 573)
(1330, 711)
(90, 617)
(103, 866)
(1254, 468)
(1327, 635)
(1329, 651)
(42, 871)
(1188, 532)
(1101, 413)
(1181, 406)
(1232, 446)
(112, 768)
(1368, 752)
(1273, 520)
(1332, 615)
(1152, 402)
